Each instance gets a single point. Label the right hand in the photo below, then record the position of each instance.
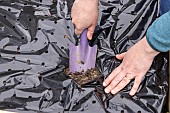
(84, 16)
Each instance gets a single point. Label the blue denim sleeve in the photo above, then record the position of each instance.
(158, 34)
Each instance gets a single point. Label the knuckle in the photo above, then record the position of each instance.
(112, 85)
(91, 29)
(137, 82)
(135, 88)
(118, 79)
(124, 72)
(90, 32)
(109, 78)
(78, 26)
(125, 81)
(120, 68)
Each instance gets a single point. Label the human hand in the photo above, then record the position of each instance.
(85, 15)
(136, 62)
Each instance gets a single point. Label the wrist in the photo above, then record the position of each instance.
(148, 51)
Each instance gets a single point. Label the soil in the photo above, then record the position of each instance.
(82, 78)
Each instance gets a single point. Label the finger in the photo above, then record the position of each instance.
(78, 31)
(112, 76)
(121, 84)
(120, 56)
(135, 87)
(115, 81)
(90, 31)
(73, 21)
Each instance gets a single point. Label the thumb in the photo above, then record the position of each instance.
(90, 31)
(120, 56)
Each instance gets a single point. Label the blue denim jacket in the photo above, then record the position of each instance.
(164, 6)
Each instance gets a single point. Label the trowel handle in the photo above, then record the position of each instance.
(84, 45)
(83, 40)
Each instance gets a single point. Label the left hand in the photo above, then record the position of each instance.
(136, 62)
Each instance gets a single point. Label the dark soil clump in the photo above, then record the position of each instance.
(82, 78)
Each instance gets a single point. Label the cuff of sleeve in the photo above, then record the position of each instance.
(148, 38)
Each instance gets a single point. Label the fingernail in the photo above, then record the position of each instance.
(113, 91)
(90, 37)
(131, 93)
(117, 55)
(106, 91)
(104, 83)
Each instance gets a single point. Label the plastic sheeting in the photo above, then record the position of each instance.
(34, 41)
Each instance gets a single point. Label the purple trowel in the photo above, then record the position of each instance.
(82, 57)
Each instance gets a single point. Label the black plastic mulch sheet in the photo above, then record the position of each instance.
(34, 40)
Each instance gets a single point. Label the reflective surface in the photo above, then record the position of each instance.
(34, 41)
